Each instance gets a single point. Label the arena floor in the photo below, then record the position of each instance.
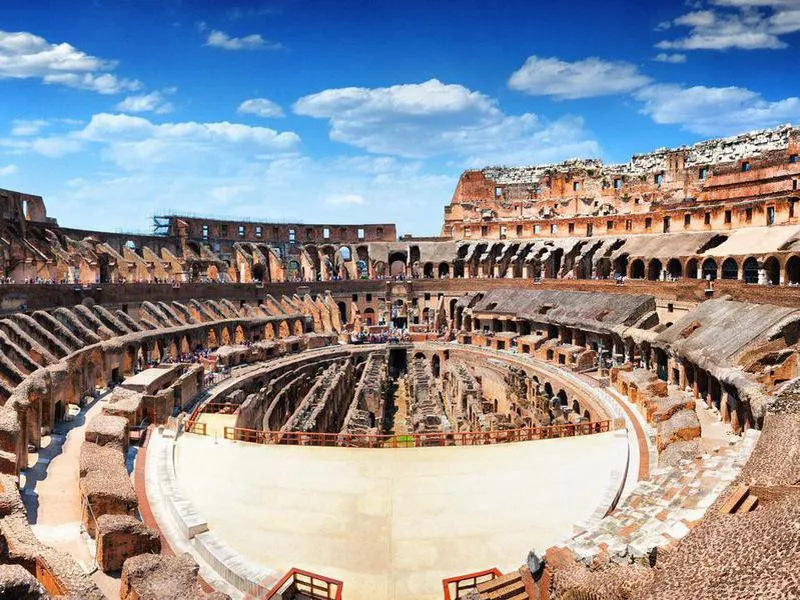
(393, 523)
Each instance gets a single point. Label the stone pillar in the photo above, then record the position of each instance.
(496, 271)
(525, 271)
(762, 276)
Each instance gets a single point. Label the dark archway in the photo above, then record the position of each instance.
(654, 270)
(674, 268)
(773, 269)
(259, 270)
(709, 269)
(444, 270)
(691, 268)
(750, 270)
(637, 269)
(730, 270)
(793, 271)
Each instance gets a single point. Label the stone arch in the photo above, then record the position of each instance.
(730, 270)
(709, 269)
(562, 397)
(380, 268)
(172, 350)
(283, 330)
(458, 268)
(576, 407)
(444, 270)
(298, 327)
(548, 389)
(603, 268)
(427, 270)
(452, 306)
(435, 365)
(750, 270)
(621, 265)
(637, 269)
(342, 311)
(184, 347)
(773, 270)
(674, 268)
(225, 337)
(269, 331)
(369, 316)
(259, 271)
(397, 264)
(691, 268)
(238, 335)
(792, 276)
(654, 269)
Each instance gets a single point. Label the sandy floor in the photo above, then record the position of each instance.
(393, 523)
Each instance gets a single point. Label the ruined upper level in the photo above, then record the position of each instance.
(760, 164)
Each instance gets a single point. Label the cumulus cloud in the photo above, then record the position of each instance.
(434, 119)
(219, 39)
(674, 59)
(261, 107)
(24, 127)
(581, 79)
(154, 102)
(27, 56)
(739, 24)
(344, 199)
(715, 111)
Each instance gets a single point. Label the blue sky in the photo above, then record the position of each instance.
(362, 111)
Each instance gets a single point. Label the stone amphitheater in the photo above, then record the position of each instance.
(586, 388)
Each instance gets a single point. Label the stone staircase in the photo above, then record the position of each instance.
(511, 586)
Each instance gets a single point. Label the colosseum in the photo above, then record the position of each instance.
(586, 388)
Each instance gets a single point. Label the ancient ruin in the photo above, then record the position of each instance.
(617, 342)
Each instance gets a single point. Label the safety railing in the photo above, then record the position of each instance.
(456, 587)
(418, 440)
(195, 427)
(307, 585)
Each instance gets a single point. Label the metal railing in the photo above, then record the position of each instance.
(195, 427)
(416, 440)
(309, 585)
(455, 587)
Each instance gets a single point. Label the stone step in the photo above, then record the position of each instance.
(750, 503)
(735, 500)
(505, 587)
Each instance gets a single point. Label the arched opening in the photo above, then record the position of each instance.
(369, 316)
(283, 330)
(562, 398)
(298, 327)
(225, 338)
(269, 332)
(259, 271)
(548, 389)
(444, 270)
(362, 269)
(212, 343)
(637, 269)
(773, 270)
(730, 270)
(452, 313)
(397, 264)
(427, 271)
(654, 270)
(342, 311)
(603, 268)
(435, 365)
(458, 269)
(293, 270)
(674, 269)
(238, 335)
(691, 268)
(621, 265)
(750, 270)
(380, 269)
(793, 271)
(709, 269)
(576, 407)
(344, 253)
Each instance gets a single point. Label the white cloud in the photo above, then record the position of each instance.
(581, 79)
(254, 41)
(737, 24)
(436, 119)
(155, 102)
(715, 111)
(344, 199)
(24, 127)
(673, 59)
(8, 170)
(27, 56)
(261, 107)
